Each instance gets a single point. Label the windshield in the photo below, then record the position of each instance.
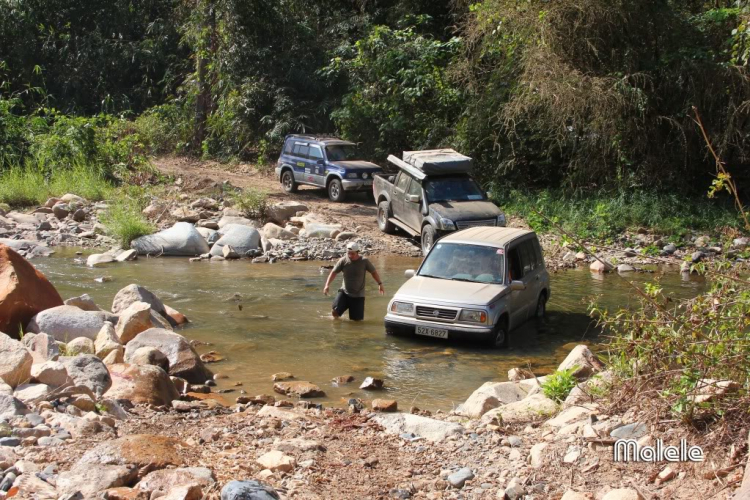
(452, 189)
(342, 152)
(460, 262)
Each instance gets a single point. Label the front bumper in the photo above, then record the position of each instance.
(356, 185)
(400, 325)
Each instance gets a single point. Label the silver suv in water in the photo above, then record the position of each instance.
(481, 282)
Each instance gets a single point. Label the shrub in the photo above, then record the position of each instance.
(252, 203)
(123, 220)
(558, 385)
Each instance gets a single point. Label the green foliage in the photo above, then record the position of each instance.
(22, 187)
(558, 385)
(253, 203)
(123, 220)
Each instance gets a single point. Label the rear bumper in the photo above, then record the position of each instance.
(397, 325)
(360, 185)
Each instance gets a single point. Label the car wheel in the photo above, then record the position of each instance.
(384, 213)
(287, 181)
(428, 238)
(498, 339)
(541, 306)
(335, 190)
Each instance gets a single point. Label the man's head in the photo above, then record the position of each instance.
(352, 250)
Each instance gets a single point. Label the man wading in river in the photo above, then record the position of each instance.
(352, 296)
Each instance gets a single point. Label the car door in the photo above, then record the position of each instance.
(399, 193)
(532, 274)
(300, 152)
(413, 211)
(519, 299)
(316, 165)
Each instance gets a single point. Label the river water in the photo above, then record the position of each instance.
(269, 318)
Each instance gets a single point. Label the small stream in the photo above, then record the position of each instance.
(269, 318)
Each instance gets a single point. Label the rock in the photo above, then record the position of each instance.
(600, 267)
(491, 395)
(127, 255)
(31, 393)
(141, 384)
(697, 257)
(31, 486)
(623, 494)
(298, 445)
(149, 356)
(274, 412)
(184, 362)
(66, 323)
(322, 230)
(72, 198)
(79, 215)
(740, 243)
(459, 478)
(52, 373)
(516, 374)
(133, 320)
(207, 203)
(139, 450)
(625, 268)
(531, 408)
(346, 236)
(384, 405)
(537, 455)
(281, 376)
(29, 219)
(709, 389)
(300, 389)
(162, 481)
(60, 210)
(240, 237)
(135, 293)
(106, 341)
(276, 461)
(576, 495)
(89, 371)
(229, 220)
(175, 316)
(15, 361)
(24, 292)
(11, 406)
(210, 235)
(428, 428)
(84, 302)
(114, 357)
(228, 252)
(343, 380)
(184, 214)
(7, 457)
(284, 211)
(91, 479)
(43, 347)
(669, 249)
(182, 239)
(583, 362)
(271, 230)
(630, 431)
(372, 384)
(99, 259)
(79, 345)
(248, 490)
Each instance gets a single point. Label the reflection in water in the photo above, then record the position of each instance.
(270, 318)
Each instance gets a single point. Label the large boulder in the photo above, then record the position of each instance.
(228, 220)
(52, 373)
(184, 362)
(136, 293)
(491, 395)
(139, 450)
(582, 362)
(84, 302)
(141, 384)
(318, 230)
(89, 479)
(89, 371)
(15, 361)
(248, 490)
(66, 323)
(106, 341)
(11, 407)
(133, 320)
(163, 480)
(528, 409)
(181, 239)
(241, 238)
(284, 211)
(42, 346)
(272, 231)
(24, 292)
(428, 428)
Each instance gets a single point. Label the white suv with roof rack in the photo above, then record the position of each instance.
(479, 283)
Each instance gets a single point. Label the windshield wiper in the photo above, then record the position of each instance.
(464, 279)
(431, 276)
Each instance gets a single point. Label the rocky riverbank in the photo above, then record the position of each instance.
(118, 404)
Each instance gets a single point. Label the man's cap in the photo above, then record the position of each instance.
(352, 247)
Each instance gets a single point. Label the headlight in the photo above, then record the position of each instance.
(501, 220)
(353, 175)
(402, 308)
(473, 316)
(365, 175)
(447, 224)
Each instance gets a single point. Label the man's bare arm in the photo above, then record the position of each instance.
(376, 276)
(331, 277)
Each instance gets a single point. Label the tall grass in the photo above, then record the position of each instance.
(606, 215)
(124, 221)
(23, 187)
(31, 185)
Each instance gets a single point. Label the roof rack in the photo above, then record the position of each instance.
(316, 136)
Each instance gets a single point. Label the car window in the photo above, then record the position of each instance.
(415, 188)
(342, 152)
(528, 256)
(288, 147)
(538, 252)
(515, 269)
(464, 262)
(301, 150)
(315, 152)
(453, 188)
(402, 181)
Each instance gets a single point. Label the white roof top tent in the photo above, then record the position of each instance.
(433, 162)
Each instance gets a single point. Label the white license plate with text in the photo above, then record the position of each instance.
(432, 332)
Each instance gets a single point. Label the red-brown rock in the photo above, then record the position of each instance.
(24, 292)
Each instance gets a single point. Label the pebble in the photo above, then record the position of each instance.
(10, 441)
(459, 478)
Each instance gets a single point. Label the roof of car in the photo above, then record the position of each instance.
(487, 235)
(321, 139)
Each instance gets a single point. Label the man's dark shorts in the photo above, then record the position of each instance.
(355, 305)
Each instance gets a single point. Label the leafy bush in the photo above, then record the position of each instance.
(252, 203)
(558, 385)
(123, 220)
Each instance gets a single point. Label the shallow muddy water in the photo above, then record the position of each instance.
(268, 318)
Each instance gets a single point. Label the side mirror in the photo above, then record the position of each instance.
(321, 162)
(409, 273)
(412, 198)
(487, 194)
(517, 285)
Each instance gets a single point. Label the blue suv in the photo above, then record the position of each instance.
(325, 162)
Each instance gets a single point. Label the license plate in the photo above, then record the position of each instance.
(432, 332)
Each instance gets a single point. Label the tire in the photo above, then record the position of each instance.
(541, 306)
(428, 238)
(498, 339)
(336, 191)
(384, 213)
(288, 182)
